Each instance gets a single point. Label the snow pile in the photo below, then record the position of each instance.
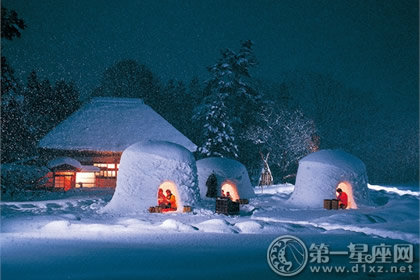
(393, 190)
(171, 224)
(112, 124)
(249, 227)
(321, 172)
(225, 170)
(144, 167)
(216, 226)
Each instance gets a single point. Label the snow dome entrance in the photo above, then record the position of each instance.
(346, 187)
(170, 203)
(229, 189)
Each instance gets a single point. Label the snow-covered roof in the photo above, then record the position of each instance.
(224, 169)
(64, 160)
(112, 124)
(89, 168)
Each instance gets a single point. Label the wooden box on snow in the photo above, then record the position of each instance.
(334, 204)
(187, 209)
(327, 204)
(226, 206)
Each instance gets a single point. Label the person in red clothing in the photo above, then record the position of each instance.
(342, 199)
(162, 202)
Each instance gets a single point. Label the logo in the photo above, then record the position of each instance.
(287, 255)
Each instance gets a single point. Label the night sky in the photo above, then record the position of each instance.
(368, 45)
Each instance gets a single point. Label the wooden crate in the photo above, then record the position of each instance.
(226, 206)
(155, 209)
(327, 204)
(334, 204)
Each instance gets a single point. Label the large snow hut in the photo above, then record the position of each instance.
(321, 173)
(229, 175)
(98, 133)
(149, 166)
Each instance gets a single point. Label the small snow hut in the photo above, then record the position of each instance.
(230, 174)
(98, 133)
(321, 173)
(147, 167)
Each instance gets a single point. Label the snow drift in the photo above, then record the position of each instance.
(226, 171)
(320, 173)
(145, 167)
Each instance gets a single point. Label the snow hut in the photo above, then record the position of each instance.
(231, 176)
(321, 173)
(98, 133)
(147, 167)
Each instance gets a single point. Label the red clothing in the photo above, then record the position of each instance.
(343, 199)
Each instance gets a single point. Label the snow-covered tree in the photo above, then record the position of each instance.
(218, 135)
(47, 105)
(128, 78)
(14, 133)
(230, 102)
(287, 134)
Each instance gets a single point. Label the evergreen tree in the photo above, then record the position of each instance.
(47, 105)
(230, 102)
(128, 78)
(218, 138)
(11, 24)
(14, 133)
(66, 100)
(15, 138)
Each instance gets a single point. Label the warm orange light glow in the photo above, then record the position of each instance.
(230, 187)
(346, 187)
(169, 185)
(85, 179)
(111, 166)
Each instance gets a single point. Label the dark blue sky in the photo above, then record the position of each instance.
(371, 45)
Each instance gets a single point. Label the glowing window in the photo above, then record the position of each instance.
(108, 170)
(85, 179)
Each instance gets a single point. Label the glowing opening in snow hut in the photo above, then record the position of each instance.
(346, 187)
(169, 185)
(230, 187)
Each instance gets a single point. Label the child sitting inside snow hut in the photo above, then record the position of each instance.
(162, 201)
(170, 202)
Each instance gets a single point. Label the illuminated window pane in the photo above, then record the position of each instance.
(111, 166)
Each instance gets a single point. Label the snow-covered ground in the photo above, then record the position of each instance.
(64, 236)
